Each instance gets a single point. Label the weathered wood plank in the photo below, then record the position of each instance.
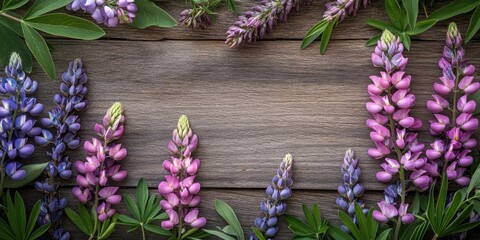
(296, 27)
(248, 107)
(244, 202)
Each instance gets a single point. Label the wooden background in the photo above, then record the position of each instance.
(249, 106)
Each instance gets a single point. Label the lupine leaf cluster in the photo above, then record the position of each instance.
(145, 211)
(337, 11)
(22, 33)
(315, 227)
(233, 230)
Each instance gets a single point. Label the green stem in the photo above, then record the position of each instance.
(95, 205)
(143, 231)
(10, 16)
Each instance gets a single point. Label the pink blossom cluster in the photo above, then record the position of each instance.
(179, 187)
(102, 164)
(453, 124)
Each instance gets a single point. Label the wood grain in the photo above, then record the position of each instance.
(249, 108)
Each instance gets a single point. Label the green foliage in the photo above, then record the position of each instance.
(403, 21)
(144, 211)
(22, 33)
(234, 229)
(33, 171)
(315, 228)
(15, 224)
(366, 228)
(447, 220)
(88, 223)
(322, 30)
(149, 14)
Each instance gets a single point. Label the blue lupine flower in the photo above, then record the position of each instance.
(274, 205)
(64, 123)
(351, 189)
(16, 123)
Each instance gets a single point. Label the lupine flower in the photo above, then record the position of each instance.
(107, 12)
(351, 189)
(339, 9)
(274, 206)
(179, 188)
(17, 113)
(102, 164)
(453, 124)
(254, 24)
(393, 129)
(200, 16)
(64, 122)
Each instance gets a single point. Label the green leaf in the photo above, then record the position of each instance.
(347, 221)
(474, 25)
(142, 196)
(452, 209)
(337, 233)
(61, 24)
(13, 4)
(44, 6)
(464, 227)
(415, 206)
(32, 220)
(385, 234)
(227, 213)
(406, 41)
(131, 206)
(411, 6)
(431, 208)
(382, 25)
(12, 25)
(39, 232)
(373, 41)
(326, 36)
(362, 221)
(11, 42)
(85, 215)
(109, 229)
(157, 230)
(423, 26)
(77, 220)
(393, 12)
(33, 171)
(298, 227)
(20, 215)
(442, 197)
(124, 219)
(258, 233)
(453, 9)
(312, 223)
(149, 14)
(231, 6)
(39, 49)
(474, 182)
(314, 33)
(219, 234)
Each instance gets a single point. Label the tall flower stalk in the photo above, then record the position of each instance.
(351, 189)
(179, 189)
(454, 124)
(393, 130)
(102, 164)
(17, 116)
(274, 206)
(107, 12)
(254, 24)
(64, 124)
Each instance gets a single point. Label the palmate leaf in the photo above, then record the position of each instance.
(11, 42)
(39, 49)
(227, 213)
(474, 25)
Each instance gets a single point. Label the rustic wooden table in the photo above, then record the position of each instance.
(249, 106)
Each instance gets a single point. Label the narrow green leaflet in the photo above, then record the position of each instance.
(61, 24)
(337, 233)
(149, 14)
(373, 41)
(33, 171)
(474, 182)
(231, 6)
(422, 26)
(13, 4)
(227, 213)
(39, 49)
(411, 7)
(11, 42)
(44, 6)
(326, 36)
(474, 25)
(219, 234)
(314, 33)
(12, 25)
(454, 8)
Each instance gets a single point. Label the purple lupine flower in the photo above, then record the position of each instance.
(200, 16)
(453, 125)
(338, 9)
(64, 122)
(107, 12)
(254, 24)
(351, 189)
(393, 129)
(17, 113)
(274, 206)
(179, 188)
(102, 164)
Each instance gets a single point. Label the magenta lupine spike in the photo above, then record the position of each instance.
(393, 128)
(254, 24)
(102, 164)
(179, 189)
(453, 125)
